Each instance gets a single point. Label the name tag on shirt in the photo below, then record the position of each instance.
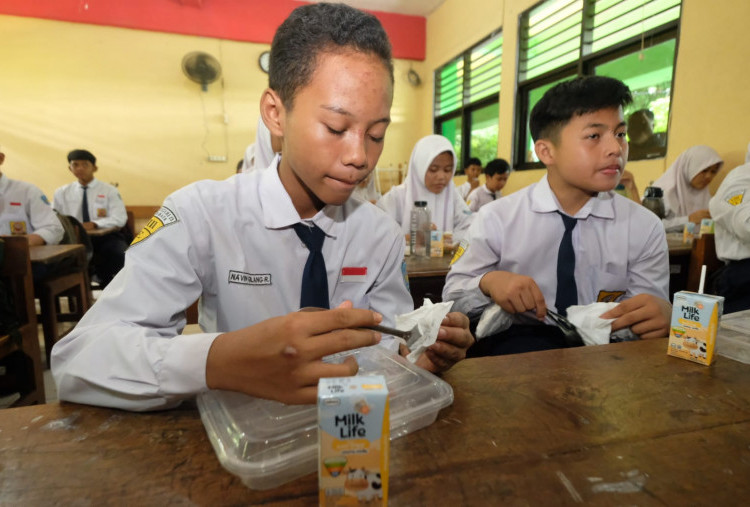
(353, 274)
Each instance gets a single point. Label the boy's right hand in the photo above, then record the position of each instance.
(281, 358)
(513, 292)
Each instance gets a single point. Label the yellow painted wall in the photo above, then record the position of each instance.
(121, 94)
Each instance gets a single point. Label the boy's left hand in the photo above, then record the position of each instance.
(453, 339)
(647, 316)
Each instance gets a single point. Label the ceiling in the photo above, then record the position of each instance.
(409, 7)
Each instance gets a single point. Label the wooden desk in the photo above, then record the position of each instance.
(46, 254)
(102, 231)
(620, 424)
(427, 277)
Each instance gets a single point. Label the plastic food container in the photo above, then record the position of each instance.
(733, 340)
(267, 443)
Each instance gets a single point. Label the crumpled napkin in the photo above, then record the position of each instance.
(493, 320)
(594, 330)
(427, 319)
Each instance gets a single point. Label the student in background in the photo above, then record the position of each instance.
(685, 186)
(430, 178)
(730, 209)
(495, 177)
(241, 245)
(25, 211)
(260, 154)
(97, 205)
(644, 143)
(367, 190)
(472, 172)
(568, 239)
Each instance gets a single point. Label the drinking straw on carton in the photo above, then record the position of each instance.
(703, 279)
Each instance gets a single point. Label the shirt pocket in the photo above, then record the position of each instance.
(608, 287)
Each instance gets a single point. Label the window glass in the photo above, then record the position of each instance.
(450, 83)
(535, 94)
(648, 74)
(616, 21)
(484, 132)
(452, 130)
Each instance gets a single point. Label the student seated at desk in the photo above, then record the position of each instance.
(25, 211)
(685, 186)
(430, 179)
(472, 172)
(97, 205)
(257, 247)
(495, 176)
(730, 209)
(568, 239)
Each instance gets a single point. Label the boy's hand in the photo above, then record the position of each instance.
(647, 316)
(514, 293)
(280, 358)
(453, 339)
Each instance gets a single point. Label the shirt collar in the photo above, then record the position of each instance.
(278, 209)
(91, 184)
(543, 200)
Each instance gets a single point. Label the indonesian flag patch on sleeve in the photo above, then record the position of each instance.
(353, 274)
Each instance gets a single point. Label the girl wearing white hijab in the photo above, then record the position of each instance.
(430, 178)
(259, 154)
(685, 186)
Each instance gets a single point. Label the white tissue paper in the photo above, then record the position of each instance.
(427, 319)
(493, 320)
(585, 318)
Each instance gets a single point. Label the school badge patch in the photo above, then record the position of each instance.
(459, 251)
(736, 200)
(609, 296)
(161, 218)
(17, 228)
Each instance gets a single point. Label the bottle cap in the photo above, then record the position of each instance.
(420, 204)
(653, 192)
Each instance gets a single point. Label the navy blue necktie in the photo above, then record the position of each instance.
(85, 207)
(567, 291)
(314, 277)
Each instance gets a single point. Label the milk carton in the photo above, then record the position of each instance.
(436, 243)
(353, 440)
(695, 321)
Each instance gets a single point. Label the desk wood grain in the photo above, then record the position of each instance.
(46, 254)
(619, 424)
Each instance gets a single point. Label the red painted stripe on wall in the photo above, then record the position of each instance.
(240, 20)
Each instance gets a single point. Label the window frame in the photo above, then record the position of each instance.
(465, 111)
(584, 66)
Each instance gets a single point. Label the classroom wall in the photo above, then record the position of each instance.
(710, 101)
(121, 94)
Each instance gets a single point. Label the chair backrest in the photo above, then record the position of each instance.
(15, 271)
(128, 230)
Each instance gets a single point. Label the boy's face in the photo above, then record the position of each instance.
(589, 155)
(496, 182)
(333, 135)
(439, 173)
(83, 170)
(472, 172)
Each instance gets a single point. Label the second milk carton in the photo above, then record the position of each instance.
(695, 322)
(353, 440)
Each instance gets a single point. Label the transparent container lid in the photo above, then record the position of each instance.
(267, 443)
(738, 321)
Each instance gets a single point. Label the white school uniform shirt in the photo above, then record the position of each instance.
(481, 196)
(620, 247)
(24, 209)
(464, 189)
(232, 244)
(106, 208)
(730, 210)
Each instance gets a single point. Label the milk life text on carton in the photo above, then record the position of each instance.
(353, 440)
(695, 322)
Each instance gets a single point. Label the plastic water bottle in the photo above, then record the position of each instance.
(653, 199)
(420, 229)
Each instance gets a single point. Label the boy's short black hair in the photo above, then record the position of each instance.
(497, 166)
(474, 161)
(311, 29)
(81, 155)
(581, 95)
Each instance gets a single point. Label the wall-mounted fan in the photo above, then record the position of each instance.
(201, 68)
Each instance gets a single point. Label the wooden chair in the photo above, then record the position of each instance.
(703, 252)
(21, 359)
(73, 282)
